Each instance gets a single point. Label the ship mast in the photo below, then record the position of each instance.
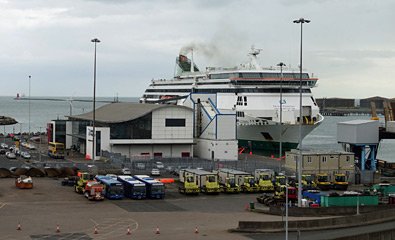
(253, 58)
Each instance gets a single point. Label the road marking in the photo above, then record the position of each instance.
(116, 227)
(2, 205)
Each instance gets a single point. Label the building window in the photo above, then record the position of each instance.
(175, 122)
(309, 160)
(323, 159)
(144, 154)
(245, 101)
(157, 154)
(347, 158)
(185, 154)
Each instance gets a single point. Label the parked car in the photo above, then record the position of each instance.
(25, 155)
(10, 155)
(3, 151)
(140, 166)
(155, 172)
(4, 146)
(160, 165)
(126, 171)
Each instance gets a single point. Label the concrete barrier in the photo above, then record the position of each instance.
(323, 211)
(318, 224)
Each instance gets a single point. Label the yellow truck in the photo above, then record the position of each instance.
(340, 182)
(263, 177)
(322, 181)
(308, 182)
(188, 183)
(207, 182)
(227, 180)
(244, 181)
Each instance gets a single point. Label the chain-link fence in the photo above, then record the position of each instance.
(144, 164)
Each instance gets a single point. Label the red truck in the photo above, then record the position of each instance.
(94, 191)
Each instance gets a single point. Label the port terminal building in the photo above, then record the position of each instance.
(196, 129)
(321, 161)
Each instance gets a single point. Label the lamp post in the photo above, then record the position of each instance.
(29, 104)
(95, 41)
(286, 209)
(281, 112)
(300, 159)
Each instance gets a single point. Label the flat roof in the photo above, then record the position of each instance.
(357, 122)
(385, 151)
(122, 112)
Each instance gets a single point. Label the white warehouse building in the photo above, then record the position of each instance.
(134, 129)
(196, 129)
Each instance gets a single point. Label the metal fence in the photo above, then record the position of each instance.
(142, 164)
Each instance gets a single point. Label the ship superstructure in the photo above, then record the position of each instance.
(250, 91)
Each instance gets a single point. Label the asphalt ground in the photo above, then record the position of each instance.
(48, 205)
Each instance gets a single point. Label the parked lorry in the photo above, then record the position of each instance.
(244, 180)
(280, 180)
(93, 190)
(279, 197)
(188, 182)
(24, 182)
(206, 181)
(308, 182)
(264, 179)
(227, 180)
(322, 181)
(340, 182)
(83, 178)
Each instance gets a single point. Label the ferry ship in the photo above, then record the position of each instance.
(253, 93)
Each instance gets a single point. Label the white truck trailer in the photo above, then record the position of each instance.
(206, 181)
(188, 182)
(227, 180)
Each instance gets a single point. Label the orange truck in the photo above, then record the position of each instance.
(94, 191)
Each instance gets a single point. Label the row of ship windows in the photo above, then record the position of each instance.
(242, 82)
(233, 90)
(257, 75)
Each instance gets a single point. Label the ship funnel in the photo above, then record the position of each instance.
(183, 64)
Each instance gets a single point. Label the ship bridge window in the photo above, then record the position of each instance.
(250, 75)
(223, 75)
(271, 75)
(245, 100)
(239, 101)
(239, 114)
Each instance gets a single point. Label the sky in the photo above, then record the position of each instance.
(349, 45)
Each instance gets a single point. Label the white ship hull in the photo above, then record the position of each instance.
(267, 137)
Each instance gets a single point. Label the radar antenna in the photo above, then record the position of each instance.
(253, 58)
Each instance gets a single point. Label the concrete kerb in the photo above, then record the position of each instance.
(317, 224)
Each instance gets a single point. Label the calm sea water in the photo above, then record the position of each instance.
(41, 112)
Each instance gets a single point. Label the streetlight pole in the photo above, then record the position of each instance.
(29, 104)
(95, 41)
(281, 112)
(300, 159)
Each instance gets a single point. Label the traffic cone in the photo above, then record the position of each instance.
(128, 232)
(157, 230)
(19, 226)
(247, 207)
(57, 228)
(196, 230)
(95, 232)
